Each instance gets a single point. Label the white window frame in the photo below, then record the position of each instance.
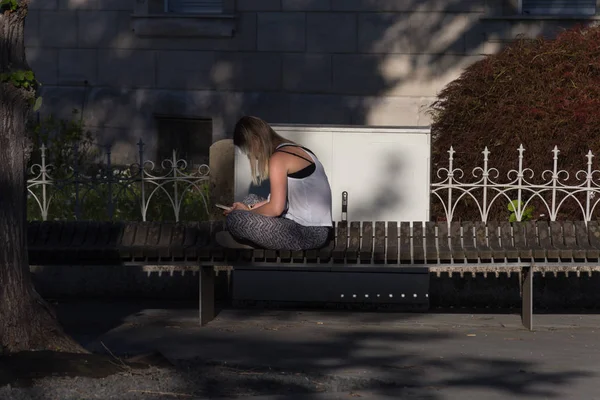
(203, 10)
(555, 12)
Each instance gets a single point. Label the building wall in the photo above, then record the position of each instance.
(357, 62)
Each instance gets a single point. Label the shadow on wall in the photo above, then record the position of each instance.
(395, 63)
(386, 196)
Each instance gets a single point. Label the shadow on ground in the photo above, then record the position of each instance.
(280, 353)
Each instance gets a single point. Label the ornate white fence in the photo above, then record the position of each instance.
(554, 190)
(116, 192)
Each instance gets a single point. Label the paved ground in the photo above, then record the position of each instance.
(274, 355)
(440, 355)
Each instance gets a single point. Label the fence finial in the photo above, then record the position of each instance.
(486, 153)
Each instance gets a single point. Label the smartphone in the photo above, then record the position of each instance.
(221, 206)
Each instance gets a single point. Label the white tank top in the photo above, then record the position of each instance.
(309, 198)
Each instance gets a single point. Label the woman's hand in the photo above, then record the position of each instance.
(237, 206)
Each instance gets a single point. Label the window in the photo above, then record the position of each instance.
(558, 7)
(184, 18)
(193, 6)
(198, 7)
(190, 137)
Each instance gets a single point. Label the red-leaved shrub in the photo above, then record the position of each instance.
(540, 93)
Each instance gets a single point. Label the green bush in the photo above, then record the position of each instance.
(91, 192)
(540, 93)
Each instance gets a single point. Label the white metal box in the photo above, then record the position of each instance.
(385, 170)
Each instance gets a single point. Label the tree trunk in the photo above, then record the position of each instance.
(26, 321)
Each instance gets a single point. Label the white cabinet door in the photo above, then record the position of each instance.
(385, 174)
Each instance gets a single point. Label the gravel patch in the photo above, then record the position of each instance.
(191, 379)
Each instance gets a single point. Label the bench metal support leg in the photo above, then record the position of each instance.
(206, 306)
(527, 297)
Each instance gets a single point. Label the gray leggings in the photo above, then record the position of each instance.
(274, 233)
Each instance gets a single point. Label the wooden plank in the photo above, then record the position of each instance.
(65, 241)
(498, 252)
(217, 253)
(48, 239)
(379, 247)
(468, 233)
(246, 254)
(583, 241)
(205, 239)
(285, 256)
(366, 245)
(458, 252)
(89, 249)
(545, 241)
(271, 255)
(558, 241)
(445, 253)
(103, 235)
(151, 246)
(32, 230)
(594, 234)
(312, 256)
(341, 242)
(139, 242)
(391, 242)
(81, 230)
(353, 243)
(481, 244)
(53, 233)
(506, 235)
(430, 243)
(258, 255)
(115, 234)
(571, 241)
(164, 242)
(298, 256)
(519, 234)
(532, 241)
(417, 238)
(43, 235)
(326, 252)
(177, 242)
(190, 251)
(65, 251)
(92, 234)
(126, 240)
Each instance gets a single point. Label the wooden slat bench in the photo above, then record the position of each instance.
(361, 246)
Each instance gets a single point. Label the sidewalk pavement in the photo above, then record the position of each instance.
(362, 355)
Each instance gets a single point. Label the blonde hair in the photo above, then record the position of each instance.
(258, 141)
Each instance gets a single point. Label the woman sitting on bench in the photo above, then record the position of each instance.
(297, 213)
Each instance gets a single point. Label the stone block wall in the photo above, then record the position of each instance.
(357, 62)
